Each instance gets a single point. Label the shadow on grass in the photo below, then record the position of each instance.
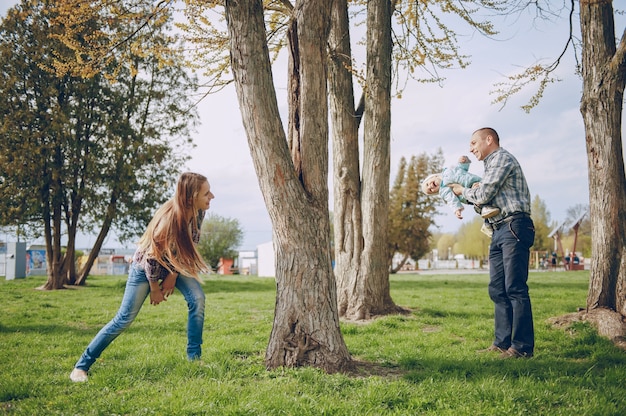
(494, 368)
(571, 363)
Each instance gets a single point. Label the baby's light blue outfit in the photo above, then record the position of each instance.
(456, 174)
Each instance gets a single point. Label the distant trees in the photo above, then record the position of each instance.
(84, 151)
(470, 241)
(445, 244)
(219, 238)
(543, 225)
(411, 212)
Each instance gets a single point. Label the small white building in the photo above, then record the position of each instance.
(247, 262)
(266, 265)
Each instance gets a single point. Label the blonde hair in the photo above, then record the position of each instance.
(168, 238)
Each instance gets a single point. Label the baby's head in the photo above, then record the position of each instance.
(464, 159)
(430, 185)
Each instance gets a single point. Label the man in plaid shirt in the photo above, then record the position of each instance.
(504, 185)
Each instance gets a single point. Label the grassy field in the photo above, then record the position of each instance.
(430, 355)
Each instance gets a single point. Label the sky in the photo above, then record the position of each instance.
(548, 142)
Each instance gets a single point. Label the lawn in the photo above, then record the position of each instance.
(429, 357)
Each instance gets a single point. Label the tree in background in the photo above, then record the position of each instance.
(411, 212)
(470, 241)
(543, 225)
(219, 238)
(445, 246)
(82, 151)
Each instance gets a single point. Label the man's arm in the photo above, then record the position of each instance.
(497, 169)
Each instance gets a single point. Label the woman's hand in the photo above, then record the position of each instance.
(156, 294)
(168, 284)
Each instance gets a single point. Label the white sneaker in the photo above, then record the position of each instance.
(488, 212)
(485, 229)
(78, 375)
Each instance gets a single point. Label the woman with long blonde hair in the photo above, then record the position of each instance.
(166, 257)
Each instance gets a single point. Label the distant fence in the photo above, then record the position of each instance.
(465, 264)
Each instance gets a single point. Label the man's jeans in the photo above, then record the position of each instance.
(508, 269)
(137, 290)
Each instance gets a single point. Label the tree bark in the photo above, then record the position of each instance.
(348, 230)
(306, 323)
(361, 208)
(376, 161)
(604, 72)
(52, 215)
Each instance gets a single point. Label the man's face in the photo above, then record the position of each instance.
(479, 146)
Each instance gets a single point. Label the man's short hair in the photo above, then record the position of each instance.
(488, 131)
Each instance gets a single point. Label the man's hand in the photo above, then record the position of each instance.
(458, 213)
(456, 188)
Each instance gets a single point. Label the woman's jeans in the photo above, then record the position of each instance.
(509, 254)
(137, 290)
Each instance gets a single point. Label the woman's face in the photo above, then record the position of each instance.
(203, 197)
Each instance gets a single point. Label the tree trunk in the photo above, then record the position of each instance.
(306, 322)
(52, 197)
(376, 161)
(604, 71)
(348, 230)
(361, 246)
(102, 235)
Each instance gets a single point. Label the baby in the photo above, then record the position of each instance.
(437, 183)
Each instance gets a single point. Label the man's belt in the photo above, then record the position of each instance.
(513, 216)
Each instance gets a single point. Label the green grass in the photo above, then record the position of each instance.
(432, 367)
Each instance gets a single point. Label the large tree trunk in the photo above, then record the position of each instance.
(376, 160)
(348, 230)
(306, 322)
(604, 71)
(361, 209)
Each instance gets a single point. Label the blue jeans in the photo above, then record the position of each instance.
(136, 292)
(509, 254)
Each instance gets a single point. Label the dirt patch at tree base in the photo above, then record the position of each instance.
(608, 323)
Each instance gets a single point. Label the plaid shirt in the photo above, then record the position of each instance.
(154, 270)
(503, 185)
